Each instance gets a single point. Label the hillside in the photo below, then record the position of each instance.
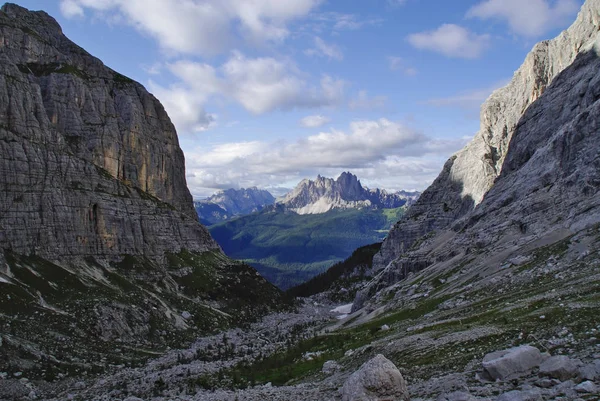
(288, 248)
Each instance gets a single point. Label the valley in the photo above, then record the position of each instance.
(484, 287)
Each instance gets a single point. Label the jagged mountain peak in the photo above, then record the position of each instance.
(324, 194)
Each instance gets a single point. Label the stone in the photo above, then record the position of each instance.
(512, 362)
(330, 367)
(560, 367)
(376, 380)
(591, 371)
(516, 395)
(385, 327)
(456, 396)
(587, 387)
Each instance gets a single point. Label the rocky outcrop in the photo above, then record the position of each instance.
(232, 202)
(324, 194)
(470, 174)
(90, 163)
(377, 380)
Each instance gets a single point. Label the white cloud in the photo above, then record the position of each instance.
(71, 9)
(365, 102)
(375, 149)
(260, 85)
(198, 27)
(530, 18)
(398, 64)
(337, 22)
(468, 100)
(452, 41)
(323, 49)
(265, 84)
(185, 107)
(314, 121)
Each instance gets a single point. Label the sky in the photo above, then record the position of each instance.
(268, 92)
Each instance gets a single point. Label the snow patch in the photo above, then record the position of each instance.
(343, 310)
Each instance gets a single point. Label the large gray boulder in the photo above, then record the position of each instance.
(376, 380)
(512, 362)
(560, 367)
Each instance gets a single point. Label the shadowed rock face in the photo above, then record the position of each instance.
(99, 240)
(90, 163)
(470, 173)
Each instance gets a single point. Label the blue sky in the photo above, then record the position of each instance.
(267, 92)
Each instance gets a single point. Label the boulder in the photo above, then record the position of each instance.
(587, 387)
(512, 362)
(560, 367)
(330, 367)
(516, 395)
(376, 380)
(591, 371)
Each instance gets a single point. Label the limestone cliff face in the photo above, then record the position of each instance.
(90, 163)
(99, 240)
(470, 173)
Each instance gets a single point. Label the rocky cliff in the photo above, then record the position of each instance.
(99, 239)
(324, 194)
(468, 175)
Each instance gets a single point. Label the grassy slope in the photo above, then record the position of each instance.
(288, 248)
(51, 312)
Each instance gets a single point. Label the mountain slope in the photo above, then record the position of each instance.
(99, 240)
(324, 194)
(288, 248)
(470, 173)
(543, 190)
(229, 203)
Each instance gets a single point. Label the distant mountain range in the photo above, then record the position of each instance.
(308, 197)
(317, 224)
(230, 203)
(325, 194)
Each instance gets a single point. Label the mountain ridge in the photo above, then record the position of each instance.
(324, 194)
(229, 203)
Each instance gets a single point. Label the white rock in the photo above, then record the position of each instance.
(586, 387)
(377, 379)
(512, 362)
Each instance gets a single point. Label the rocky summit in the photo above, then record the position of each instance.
(324, 194)
(99, 241)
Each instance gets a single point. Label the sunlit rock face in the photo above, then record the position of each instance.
(468, 176)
